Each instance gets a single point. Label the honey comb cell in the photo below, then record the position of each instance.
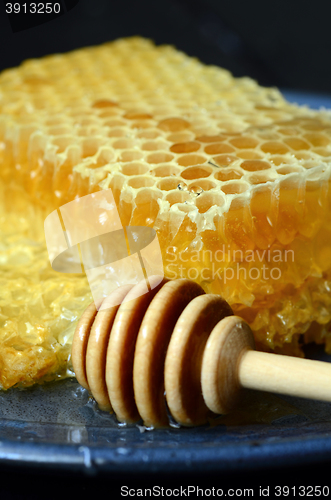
(234, 179)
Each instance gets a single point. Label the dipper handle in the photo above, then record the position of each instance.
(304, 378)
(230, 363)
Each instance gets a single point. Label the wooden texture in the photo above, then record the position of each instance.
(305, 378)
(184, 358)
(177, 347)
(121, 349)
(151, 348)
(228, 341)
(96, 353)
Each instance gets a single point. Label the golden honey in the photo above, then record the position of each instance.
(234, 179)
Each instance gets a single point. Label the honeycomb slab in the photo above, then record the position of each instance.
(235, 180)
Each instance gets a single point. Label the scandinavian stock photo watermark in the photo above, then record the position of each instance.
(87, 235)
(226, 264)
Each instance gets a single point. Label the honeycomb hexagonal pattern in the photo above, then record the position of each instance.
(234, 179)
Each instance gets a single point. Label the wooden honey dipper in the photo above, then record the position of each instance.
(178, 346)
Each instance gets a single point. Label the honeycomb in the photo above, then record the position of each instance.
(234, 179)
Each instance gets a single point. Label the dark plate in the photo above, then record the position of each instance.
(313, 100)
(58, 427)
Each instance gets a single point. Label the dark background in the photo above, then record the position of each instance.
(285, 43)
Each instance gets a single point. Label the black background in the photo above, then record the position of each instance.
(40, 484)
(285, 43)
